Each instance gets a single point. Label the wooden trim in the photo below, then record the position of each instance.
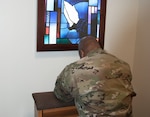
(63, 47)
(102, 22)
(70, 111)
(63, 112)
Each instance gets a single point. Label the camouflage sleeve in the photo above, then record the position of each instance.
(62, 86)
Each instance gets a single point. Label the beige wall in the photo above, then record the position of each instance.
(24, 71)
(142, 61)
(121, 22)
(127, 36)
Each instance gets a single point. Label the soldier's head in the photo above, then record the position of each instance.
(87, 44)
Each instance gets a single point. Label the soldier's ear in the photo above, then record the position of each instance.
(81, 53)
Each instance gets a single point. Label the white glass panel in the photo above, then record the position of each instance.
(50, 5)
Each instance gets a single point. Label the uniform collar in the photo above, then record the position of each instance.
(96, 51)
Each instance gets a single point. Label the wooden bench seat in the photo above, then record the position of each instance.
(47, 105)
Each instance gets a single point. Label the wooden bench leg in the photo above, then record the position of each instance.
(37, 113)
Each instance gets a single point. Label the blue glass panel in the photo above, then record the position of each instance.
(53, 17)
(74, 41)
(98, 27)
(64, 32)
(99, 4)
(93, 2)
(73, 2)
(98, 17)
(47, 17)
(59, 3)
(63, 19)
(72, 34)
(82, 9)
(62, 6)
(46, 39)
(89, 29)
(63, 26)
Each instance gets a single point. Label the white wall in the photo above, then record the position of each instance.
(24, 71)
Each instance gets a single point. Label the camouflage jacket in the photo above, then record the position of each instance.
(100, 85)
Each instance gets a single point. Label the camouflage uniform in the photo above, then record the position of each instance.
(100, 85)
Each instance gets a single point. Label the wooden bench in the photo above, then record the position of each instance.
(47, 105)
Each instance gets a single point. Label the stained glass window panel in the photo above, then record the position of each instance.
(67, 21)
